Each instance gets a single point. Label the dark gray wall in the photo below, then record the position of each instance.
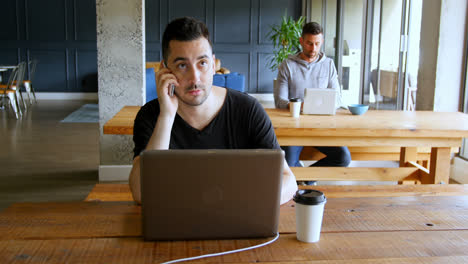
(61, 34)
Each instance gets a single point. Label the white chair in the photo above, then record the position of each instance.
(6, 91)
(28, 82)
(18, 83)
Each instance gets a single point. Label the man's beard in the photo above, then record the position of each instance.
(199, 100)
(311, 55)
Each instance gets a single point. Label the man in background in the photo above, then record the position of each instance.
(309, 68)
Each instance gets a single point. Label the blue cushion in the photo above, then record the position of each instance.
(150, 85)
(232, 80)
(219, 80)
(235, 81)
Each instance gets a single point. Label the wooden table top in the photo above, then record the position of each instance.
(373, 123)
(118, 192)
(408, 229)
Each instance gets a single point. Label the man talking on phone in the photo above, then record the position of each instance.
(199, 115)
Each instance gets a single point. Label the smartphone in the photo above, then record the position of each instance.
(172, 86)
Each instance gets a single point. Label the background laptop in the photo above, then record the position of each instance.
(319, 101)
(210, 194)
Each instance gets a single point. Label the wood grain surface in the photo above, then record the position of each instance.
(358, 247)
(121, 191)
(423, 124)
(123, 219)
(414, 224)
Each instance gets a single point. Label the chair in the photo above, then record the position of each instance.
(151, 93)
(28, 83)
(6, 91)
(18, 83)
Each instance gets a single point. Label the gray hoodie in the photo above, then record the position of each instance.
(296, 74)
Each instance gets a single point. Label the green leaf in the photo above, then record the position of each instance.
(285, 38)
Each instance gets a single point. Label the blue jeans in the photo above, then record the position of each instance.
(335, 156)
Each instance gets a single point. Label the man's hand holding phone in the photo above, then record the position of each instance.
(166, 82)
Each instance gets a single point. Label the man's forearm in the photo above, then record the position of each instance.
(289, 186)
(134, 180)
(162, 134)
(159, 140)
(281, 93)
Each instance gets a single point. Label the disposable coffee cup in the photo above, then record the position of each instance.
(295, 106)
(309, 214)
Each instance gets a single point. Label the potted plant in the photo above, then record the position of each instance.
(285, 37)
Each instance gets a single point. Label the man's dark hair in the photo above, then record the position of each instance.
(183, 29)
(313, 28)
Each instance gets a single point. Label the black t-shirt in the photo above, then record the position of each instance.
(242, 123)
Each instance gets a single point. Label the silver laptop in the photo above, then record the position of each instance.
(210, 194)
(319, 101)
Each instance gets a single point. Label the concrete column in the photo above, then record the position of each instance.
(451, 62)
(429, 44)
(121, 72)
(442, 50)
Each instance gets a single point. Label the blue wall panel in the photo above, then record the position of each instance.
(86, 66)
(46, 20)
(232, 22)
(236, 62)
(51, 72)
(62, 35)
(9, 26)
(85, 25)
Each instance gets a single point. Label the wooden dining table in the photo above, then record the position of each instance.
(440, 131)
(370, 224)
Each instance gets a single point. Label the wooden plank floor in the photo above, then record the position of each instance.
(45, 160)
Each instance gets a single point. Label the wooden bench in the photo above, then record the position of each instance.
(375, 154)
(107, 192)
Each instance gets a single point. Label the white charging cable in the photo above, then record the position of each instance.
(225, 252)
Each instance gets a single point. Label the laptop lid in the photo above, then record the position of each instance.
(319, 101)
(210, 194)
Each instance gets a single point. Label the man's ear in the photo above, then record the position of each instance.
(301, 40)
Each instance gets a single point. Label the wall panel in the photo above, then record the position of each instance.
(46, 20)
(86, 71)
(236, 62)
(270, 12)
(51, 72)
(193, 8)
(62, 35)
(232, 22)
(85, 25)
(265, 76)
(152, 20)
(9, 29)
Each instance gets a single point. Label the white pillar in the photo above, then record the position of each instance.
(441, 60)
(121, 72)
